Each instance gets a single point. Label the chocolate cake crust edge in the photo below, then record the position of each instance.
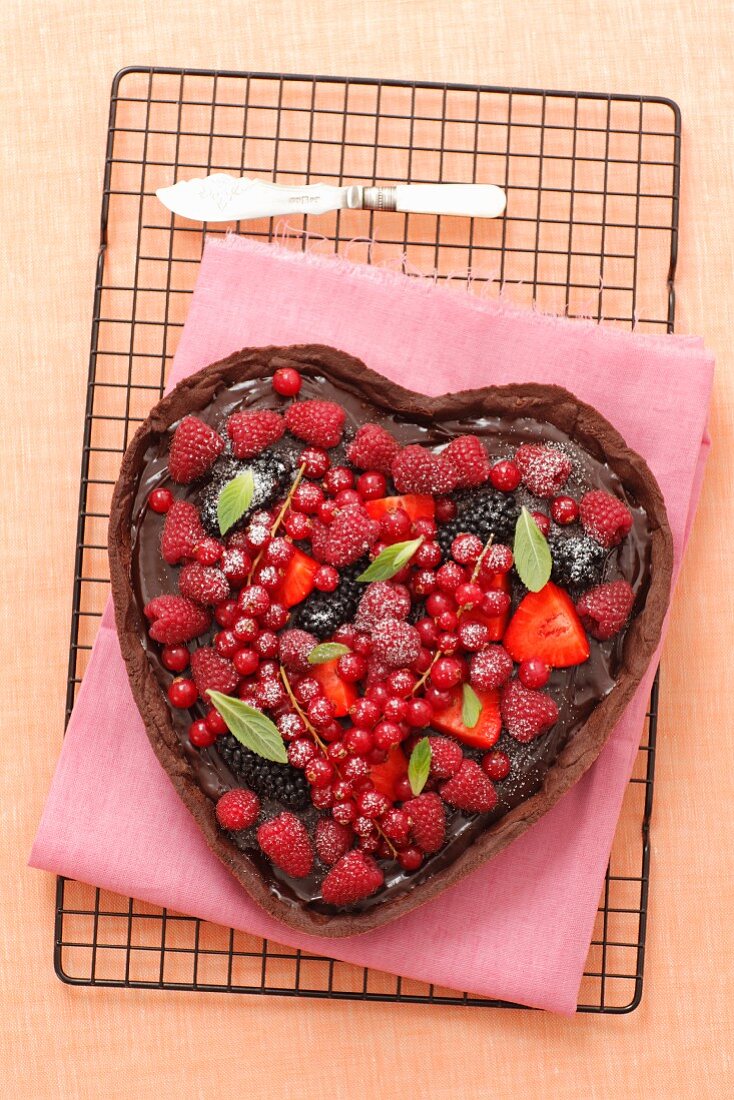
(549, 403)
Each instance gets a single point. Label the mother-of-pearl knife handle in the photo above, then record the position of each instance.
(466, 200)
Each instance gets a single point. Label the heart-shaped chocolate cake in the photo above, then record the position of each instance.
(374, 635)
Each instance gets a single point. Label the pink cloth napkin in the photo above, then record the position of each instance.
(518, 928)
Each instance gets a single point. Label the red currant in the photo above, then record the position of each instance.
(267, 644)
(328, 511)
(236, 565)
(372, 804)
(446, 673)
(345, 498)
(175, 657)
(363, 644)
(438, 699)
(400, 682)
(543, 523)
(425, 526)
(428, 632)
(246, 629)
(182, 693)
(395, 709)
(449, 576)
(365, 713)
(226, 614)
(387, 734)
(371, 485)
(395, 526)
(321, 711)
(495, 602)
(287, 381)
(307, 498)
(226, 643)
(356, 769)
(306, 690)
(423, 583)
(447, 621)
(378, 694)
(345, 634)
(410, 859)
(438, 602)
(352, 667)
(253, 600)
(403, 789)
(160, 500)
(246, 661)
(280, 552)
(301, 751)
(345, 812)
(422, 662)
(505, 476)
(468, 594)
(326, 578)
(315, 460)
(319, 772)
(473, 636)
(359, 741)
(208, 551)
(396, 825)
(269, 577)
(448, 642)
(275, 617)
(200, 735)
(420, 713)
(496, 764)
(269, 670)
(533, 673)
(216, 723)
(564, 510)
(297, 525)
(428, 555)
(337, 479)
(466, 549)
(498, 559)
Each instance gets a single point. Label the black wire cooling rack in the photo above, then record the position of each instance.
(590, 230)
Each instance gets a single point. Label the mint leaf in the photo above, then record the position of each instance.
(327, 651)
(251, 728)
(471, 707)
(532, 556)
(390, 561)
(234, 500)
(419, 765)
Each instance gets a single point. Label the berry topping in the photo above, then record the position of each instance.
(287, 381)
(498, 559)
(546, 626)
(577, 561)
(486, 732)
(299, 579)
(606, 518)
(175, 657)
(203, 584)
(353, 877)
(382, 600)
(286, 843)
(294, 647)
(252, 430)
(396, 643)
(200, 735)
(427, 821)
(410, 509)
(320, 423)
(238, 809)
(469, 459)
(160, 500)
(182, 532)
(482, 512)
(213, 672)
(505, 476)
(470, 790)
(340, 693)
(332, 840)
(533, 673)
(604, 610)
(323, 612)
(182, 693)
(373, 448)
(351, 534)
(446, 757)
(544, 470)
(490, 669)
(564, 511)
(525, 713)
(194, 448)
(418, 470)
(282, 783)
(496, 764)
(542, 522)
(175, 619)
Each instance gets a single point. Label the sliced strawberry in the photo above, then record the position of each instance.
(497, 624)
(385, 776)
(488, 728)
(341, 694)
(546, 626)
(297, 579)
(417, 505)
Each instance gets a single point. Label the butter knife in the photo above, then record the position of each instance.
(222, 198)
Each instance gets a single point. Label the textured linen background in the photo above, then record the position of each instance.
(56, 1041)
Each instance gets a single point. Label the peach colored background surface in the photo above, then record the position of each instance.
(58, 61)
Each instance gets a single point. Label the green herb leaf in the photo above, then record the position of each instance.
(327, 651)
(532, 556)
(390, 561)
(234, 500)
(251, 728)
(471, 707)
(419, 765)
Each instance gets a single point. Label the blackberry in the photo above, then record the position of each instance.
(577, 561)
(272, 474)
(481, 512)
(280, 782)
(322, 612)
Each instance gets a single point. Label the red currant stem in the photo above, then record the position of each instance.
(279, 518)
(460, 611)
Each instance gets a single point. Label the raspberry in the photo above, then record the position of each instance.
(373, 448)
(526, 713)
(332, 840)
(294, 647)
(427, 821)
(470, 790)
(320, 423)
(395, 643)
(345, 540)
(605, 609)
(382, 600)
(544, 470)
(418, 470)
(253, 430)
(175, 619)
(212, 672)
(446, 757)
(606, 518)
(490, 669)
(469, 458)
(182, 532)
(286, 843)
(193, 450)
(238, 809)
(203, 584)
(353, 877)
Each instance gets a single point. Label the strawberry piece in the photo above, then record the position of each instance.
(338, 691)
(285, 842)
(417, 505)
(175, 619)
(605, 609)
(182, 532)
(527, 713)
(332, 840)
(212, 672)
(470, 789)
(373, 448)
(546, 626)
(427, 821)
(353, 877)
(496, 624)
(320, 423)
(488, 728)
(194, 449)
(252, 430)
(298, 579)
(385, 776)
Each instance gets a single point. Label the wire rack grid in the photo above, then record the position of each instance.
(590, 230)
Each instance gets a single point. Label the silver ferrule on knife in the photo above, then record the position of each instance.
(221, 198)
